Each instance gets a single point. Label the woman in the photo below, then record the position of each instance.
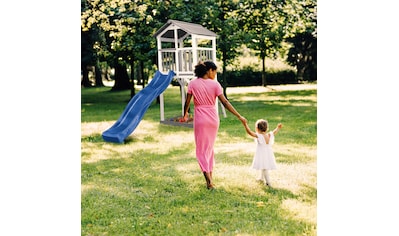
(205, 90)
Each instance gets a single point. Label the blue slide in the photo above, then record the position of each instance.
(137, 107)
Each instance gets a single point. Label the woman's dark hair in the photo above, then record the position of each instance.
(202, 67)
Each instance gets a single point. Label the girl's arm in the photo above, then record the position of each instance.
(249, 131)
(279, 126)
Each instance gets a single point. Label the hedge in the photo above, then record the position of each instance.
(254, 78)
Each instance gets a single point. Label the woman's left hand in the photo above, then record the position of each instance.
(183, 119)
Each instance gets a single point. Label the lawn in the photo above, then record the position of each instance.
(152, 184)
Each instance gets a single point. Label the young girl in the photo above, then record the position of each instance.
(264, 159)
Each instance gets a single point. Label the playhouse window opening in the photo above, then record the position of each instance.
(204, 43)
(187, 42)
(168, 45)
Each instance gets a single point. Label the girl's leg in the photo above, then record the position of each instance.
(266, 175)
(260, 177)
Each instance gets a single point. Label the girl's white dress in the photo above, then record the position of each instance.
(264, 156)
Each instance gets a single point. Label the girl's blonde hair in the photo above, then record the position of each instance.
(262, 125)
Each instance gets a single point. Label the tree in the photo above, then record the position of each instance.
(117, 22)
(266, 25)
(223, 20)
(303, 39)
(144, 49)
(303, 55)
(87, 56)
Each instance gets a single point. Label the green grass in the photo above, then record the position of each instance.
(152, 184)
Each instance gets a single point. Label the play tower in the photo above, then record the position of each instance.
(181, 45)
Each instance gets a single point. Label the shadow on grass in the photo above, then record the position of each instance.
(97, 138)
(94, 138)
(280, 193)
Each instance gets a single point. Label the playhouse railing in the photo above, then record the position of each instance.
(186, 59)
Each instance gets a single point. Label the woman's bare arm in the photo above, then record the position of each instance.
(187, 105)
(229, 107)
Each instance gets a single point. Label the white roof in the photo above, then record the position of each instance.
(183, 29)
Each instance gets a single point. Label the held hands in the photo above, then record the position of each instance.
(243, 120)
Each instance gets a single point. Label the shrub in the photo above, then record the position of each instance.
(254, 78)
(248, 77)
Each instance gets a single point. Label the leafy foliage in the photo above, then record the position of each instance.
(269, 23)
(303, 55)
(121, 32)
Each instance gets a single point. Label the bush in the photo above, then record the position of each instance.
(248, 77)
(254, 78)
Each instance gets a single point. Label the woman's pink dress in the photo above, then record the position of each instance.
(206, 119)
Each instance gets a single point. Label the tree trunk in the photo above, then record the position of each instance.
(121, 78)
(105, 74)
(300, 72)
(224, 76)
(263, 72)
(139, 75)
(142, 73)
(133, 89)
(85, 80)
(224, 53)
(98, 76)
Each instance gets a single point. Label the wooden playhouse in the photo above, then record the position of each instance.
(181, 45)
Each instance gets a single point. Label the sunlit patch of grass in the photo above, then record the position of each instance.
(301, 210)
(191, 174)
(234, 178)
(87, 187)
(142, 138)
(235, 149)
(96, 152)
(279, 100)
(295, 177)
(94, 128)
(291, 153)
(297, 104)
